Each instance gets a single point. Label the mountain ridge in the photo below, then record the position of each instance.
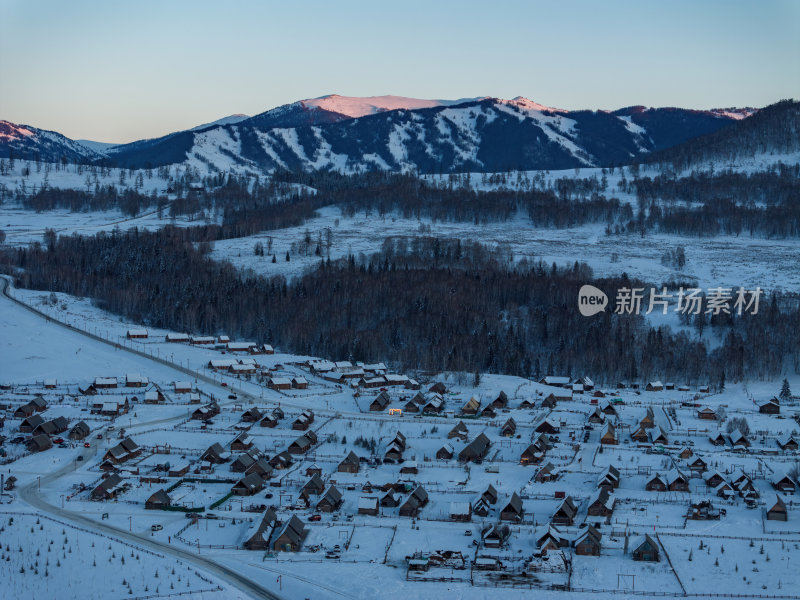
(396, 133)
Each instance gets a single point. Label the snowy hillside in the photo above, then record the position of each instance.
(486, 134)
(25, 141)
(397, 133)
(360, 107)
(229, 120)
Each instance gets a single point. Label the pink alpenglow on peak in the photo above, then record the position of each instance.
(360, 107)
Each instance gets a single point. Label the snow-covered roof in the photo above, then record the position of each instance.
(367, 502)
(322, 365)
(460, 508)
(239, 346)
(222, 363)
(737, 436)
(394, 378)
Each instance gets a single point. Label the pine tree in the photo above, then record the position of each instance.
(786, 391)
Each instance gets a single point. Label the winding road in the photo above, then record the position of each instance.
(30, 495)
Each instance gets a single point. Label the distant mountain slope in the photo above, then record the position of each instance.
(361, 107)
(398, 133)
(483, 135)
(229, 120)
(99, 147)
(774, 129)
(32, 143)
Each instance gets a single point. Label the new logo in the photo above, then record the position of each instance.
(591, 300)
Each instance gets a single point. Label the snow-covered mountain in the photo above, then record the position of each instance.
(229, 120)
(354, 107)
(398, 133)
(25, 141)
(108, 148)
(99, 147)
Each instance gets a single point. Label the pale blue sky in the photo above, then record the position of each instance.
(119, 71)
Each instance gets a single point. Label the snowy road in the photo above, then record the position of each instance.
(30, 494)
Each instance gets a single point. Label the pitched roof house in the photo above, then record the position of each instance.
(476, 449)
(645, 548)
(350, 464)
(257, 538)
(215, 454)
(565, 513)
(551, 539)
(588, 543)
(248, 485)
(513, 511)
(79, 431)
(380, 402)
(509, 428)
(778, 511)
(158, 500)
(601, 505)
(460, 432)
(609, 435)
(609, 479)
(331, 500)
(414, 503)
(315, 485)
(472, 406)
(39, 443)
(290, 537)
(657, 483)
(531, 455)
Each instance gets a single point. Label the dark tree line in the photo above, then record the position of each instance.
(703, 204)
(424, 303)
(775, 128)
(719, 216)
(130, 202)
(777, 186)
(763, 203)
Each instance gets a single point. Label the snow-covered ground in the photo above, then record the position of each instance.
(24, 226)
(373, 549)
(45, 557)
(712, 262)
(28, 177)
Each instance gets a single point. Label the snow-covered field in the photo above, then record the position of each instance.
(24, 226)
(720, 261)
(45, 557)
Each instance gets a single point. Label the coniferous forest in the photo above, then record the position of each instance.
(420, 303)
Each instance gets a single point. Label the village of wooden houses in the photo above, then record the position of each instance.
(313, 470)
